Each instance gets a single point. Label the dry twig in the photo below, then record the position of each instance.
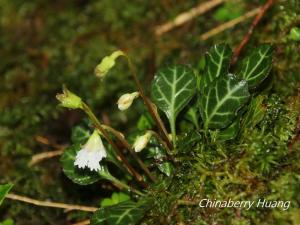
(85, 222)
(50, 204)
(45, 155)
(187, 16)
(229, 24)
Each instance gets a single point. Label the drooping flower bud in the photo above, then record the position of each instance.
(91, 153)
(107, 63)
(141, 142)
(126, 100)
(69, 99)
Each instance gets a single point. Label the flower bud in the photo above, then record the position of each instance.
(126, 100)
(141, 142)
(69, 99)
(107, 63)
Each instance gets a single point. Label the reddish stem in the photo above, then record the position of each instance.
(256, 20)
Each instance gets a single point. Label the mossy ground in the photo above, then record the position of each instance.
(46, 45)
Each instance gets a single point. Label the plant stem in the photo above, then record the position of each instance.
(122, 158)
(131, 151)
(125, 186)
(148, 104)
(173, 130)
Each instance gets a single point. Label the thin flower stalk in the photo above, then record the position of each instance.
(121, 138)
(97, 124)
(149, 104)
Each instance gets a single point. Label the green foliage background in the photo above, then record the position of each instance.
(47, 43)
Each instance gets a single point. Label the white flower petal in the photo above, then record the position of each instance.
(91, 154)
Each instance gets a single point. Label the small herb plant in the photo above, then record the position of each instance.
(217, 101)
(223, 138)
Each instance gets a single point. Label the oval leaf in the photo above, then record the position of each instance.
(256, 67)
(221, 101)
(217, 62)
(78, 176)
(172, 88)
(124, 213)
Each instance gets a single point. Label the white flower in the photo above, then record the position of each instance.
(141, 142)
(126, 100)
(91, 153)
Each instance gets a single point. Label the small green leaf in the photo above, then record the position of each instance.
(145, 122)
(256, 67)
(192, 115)
(166, 167)
(221, 100)
(228, 11)
(295, 34)
(4, 189)
(159, 154)
(217, 62)
(80, 135)
(124, 213)
(172, 88)
(230, 132)
(255, 114)
(115, 199)
(7, 222)
(78, 176)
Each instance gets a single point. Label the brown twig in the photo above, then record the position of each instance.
(84, 222)
(187, 16)
(45, 155)
(229, 24)
(50, 204)
(256, 20)
(46, 141)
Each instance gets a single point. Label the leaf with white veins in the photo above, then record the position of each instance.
(172, 88)
(221, 101)
(217, 62)
(256, 67)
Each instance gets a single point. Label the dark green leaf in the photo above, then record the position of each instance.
(221, 100)
(124, 213)
(230, 132)
(217, 61)
(79, 176)
(79, 135)
(256, 67)
(159, 154)
(172, 89)
(192, 115)
(4, 189)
